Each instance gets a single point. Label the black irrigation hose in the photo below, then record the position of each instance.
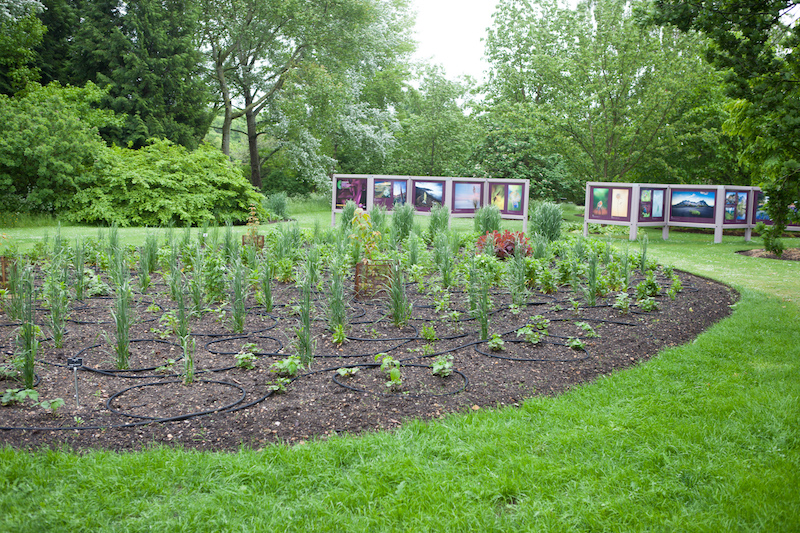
(542, 360)
(404, 394)
(238, 337)
(178, 417)
(128, 371)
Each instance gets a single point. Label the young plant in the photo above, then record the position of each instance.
(304, 344)
(27, 338)
(428, 333)
(79, 265)
(399, 306)
(123, 318)
(57, 297)
(575, 343)
(338, 335)
(288, 367)
(496, 343)
(265, 275)
(238, 295)
(246, 358)
(623, 302)
(442, 366)
(279, 385)
(391, 367)
(348, 372)
(588, 330)
(647, 304)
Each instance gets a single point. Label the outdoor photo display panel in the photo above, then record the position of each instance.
(427, 194)
(467, 196)
(736, 207)
(760, 211)
(354, 189)
(693, 205)
(390, 193)
(651, 205)
(507, 197)
(611, 203)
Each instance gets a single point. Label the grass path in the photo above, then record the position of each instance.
(704, 437)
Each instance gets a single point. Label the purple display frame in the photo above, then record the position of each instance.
(732, 205)
(759, 201)
(604, 206)
(355, 189)
(472, 194)
(390, 201)
(504, 188)
(649, 208)
(689, 200)
(424, 206)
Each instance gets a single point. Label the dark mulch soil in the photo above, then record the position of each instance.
(228, 407)
(789, 254)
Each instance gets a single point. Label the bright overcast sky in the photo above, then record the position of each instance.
(449, 33)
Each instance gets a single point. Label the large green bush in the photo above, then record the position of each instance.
(161, 184)
(49, 141)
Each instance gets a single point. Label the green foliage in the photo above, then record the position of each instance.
(487, 219)
(496, 342)
(49, 147)
(442, 366)
(18, 38)
(546, 219)
(288, 367)
(161, 184)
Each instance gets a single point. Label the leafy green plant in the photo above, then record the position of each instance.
(504, 244)
(530, 334)
(279, 385)
(238, 295)
(338, 335)
(288, 367)
(588, 330)
(622, 302)
(246, 358)
(14, 396)
(439, 221)
(496, 343)
(647, 304)
(442, 366)
(575, 343)
(648, 287)
(391, 367)
(52, 405)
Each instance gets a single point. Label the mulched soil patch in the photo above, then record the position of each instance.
(789, 254)
(228, 407)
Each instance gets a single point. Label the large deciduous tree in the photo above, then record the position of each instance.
(265, 56)
(605, 87)
(20, 34)
(756, 43)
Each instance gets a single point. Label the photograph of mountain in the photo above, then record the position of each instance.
(695, 204)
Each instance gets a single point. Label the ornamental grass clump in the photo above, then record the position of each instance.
(304, 344)
(546, 220)
(79, 265)
(57, 296)
(439, 221)
(238, 295)
(443, 258)
(27, 340)
(122, 316)
(337, 307)
(399, 306)
(487, 219)
(402, 221)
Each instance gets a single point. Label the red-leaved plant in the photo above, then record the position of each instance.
(505, 243)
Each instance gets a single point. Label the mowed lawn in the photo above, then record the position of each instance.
(704, 437)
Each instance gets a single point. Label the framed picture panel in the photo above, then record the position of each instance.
(354, 189)
(612, 203)
(467, 196)
(426, 194)
(735, 207)
(693, 205)
(389, 193)
(651, 205)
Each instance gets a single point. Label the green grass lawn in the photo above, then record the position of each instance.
(704, 437)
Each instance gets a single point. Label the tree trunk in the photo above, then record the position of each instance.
(252, 141)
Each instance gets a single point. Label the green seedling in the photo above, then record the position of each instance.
(348, 372)
(391, 367)
(588, 330)
(575, 343)
(429, 334)
(442, 366)
(288, 367)
(530, 334)
(496, 343)
(246, 358)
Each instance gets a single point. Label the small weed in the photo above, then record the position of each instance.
(246, 358)
(348, 372)
(279, 385)
(530, 334)
(391, 367)
(575, 343)
(288, 367)
(429, 334)
(588, 330)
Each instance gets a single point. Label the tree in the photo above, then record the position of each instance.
(756, 45)
(263, 52)
(20, 33)
(437, 131)
(605, 87)
(511, 148)
(146, 53)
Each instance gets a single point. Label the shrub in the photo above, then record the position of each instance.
(504, 244)
(276, 206)
(546, 220)
(164, 184)
(402, 220)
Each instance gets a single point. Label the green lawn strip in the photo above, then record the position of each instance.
(702, 438)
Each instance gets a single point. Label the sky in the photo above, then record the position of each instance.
(449, 33)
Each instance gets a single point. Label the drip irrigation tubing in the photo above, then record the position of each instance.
(402, 393)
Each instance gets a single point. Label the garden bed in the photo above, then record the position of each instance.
(229, 406)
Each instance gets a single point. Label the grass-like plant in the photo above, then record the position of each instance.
(517, 278)
(57, 296)
(79, 266)
(402, 221)
(188, 344)
(348, 214)
(238, 292)
(399, 306)
(304, 342)
(443, 258)
(337, 306)
(439, 221)
(122, 315)
(27, 338)
(487, 219)
(546, 218)
(265, 275)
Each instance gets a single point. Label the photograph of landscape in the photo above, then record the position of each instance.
(695, 204)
